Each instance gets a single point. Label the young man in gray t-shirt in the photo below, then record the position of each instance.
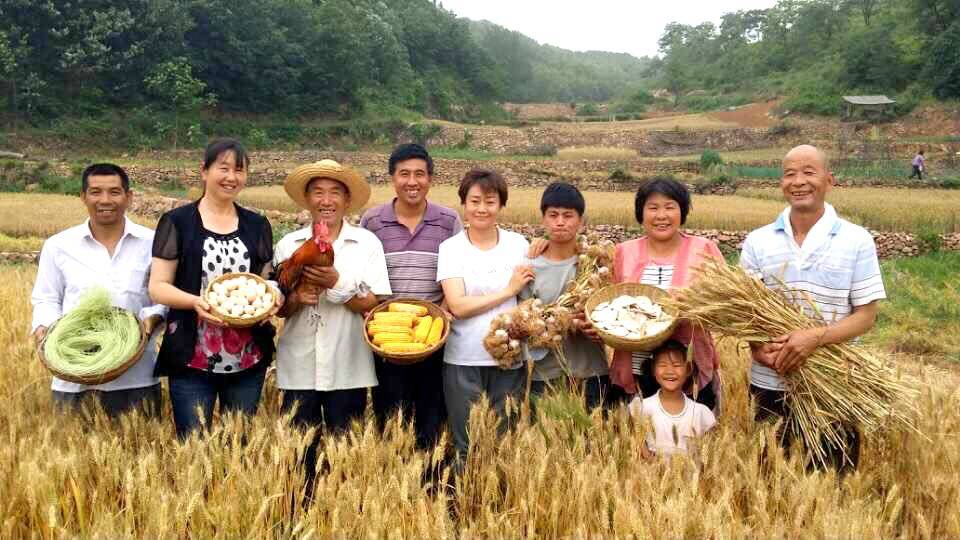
(562, 206)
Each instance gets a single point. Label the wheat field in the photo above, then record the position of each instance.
(568, 474)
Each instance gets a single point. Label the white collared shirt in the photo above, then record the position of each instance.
(836, 267)
(72, 262)
(322, 348)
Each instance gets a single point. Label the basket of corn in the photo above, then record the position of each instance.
(240, 299)
(405, 331)
(94, 343)
(628, 318)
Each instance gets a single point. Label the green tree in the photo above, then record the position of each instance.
(943, 68)
(173, 82)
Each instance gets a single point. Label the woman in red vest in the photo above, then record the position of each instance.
(665, 257)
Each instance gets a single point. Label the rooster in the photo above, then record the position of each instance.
(318, 251)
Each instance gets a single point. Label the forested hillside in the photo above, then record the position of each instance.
(537, 73)
(813, 51)
(281, 56)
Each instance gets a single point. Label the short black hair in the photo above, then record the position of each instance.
(489, 181)
(562, 195)
(218, 147)
(409, 151)
(104, 169)
(677, 346)
(666, 186)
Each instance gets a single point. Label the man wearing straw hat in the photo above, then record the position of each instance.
(324, 366)
(107, 251)
(828, 259)
(411, 230)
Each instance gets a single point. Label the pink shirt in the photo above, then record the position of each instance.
(630, 258)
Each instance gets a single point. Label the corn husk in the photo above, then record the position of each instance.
(839, 386)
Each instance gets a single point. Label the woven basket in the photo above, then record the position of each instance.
(238, 322)
(414, 357)
(647, 343)
(103, 377)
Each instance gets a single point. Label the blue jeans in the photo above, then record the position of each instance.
(195, 389)
(115, 402)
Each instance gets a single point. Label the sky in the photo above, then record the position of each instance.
(631, 26)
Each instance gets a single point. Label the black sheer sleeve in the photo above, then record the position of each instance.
(166, 244)
(265, 242)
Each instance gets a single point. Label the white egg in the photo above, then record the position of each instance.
(213, 300)
(218, 288)
(248, 310)
(266, 299)
(236, 311)
(261, 288)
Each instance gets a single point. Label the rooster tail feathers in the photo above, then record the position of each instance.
(289, 275)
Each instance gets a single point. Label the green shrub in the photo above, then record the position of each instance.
(422, 132)
(16, 176)
(621, 176)
(950, 183)
(709, 159)
(928, 240)
(588, 109)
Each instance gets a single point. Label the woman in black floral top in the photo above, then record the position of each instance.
(194, 244)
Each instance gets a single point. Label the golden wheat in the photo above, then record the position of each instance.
(572, 474)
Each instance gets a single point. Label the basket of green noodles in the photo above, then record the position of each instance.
(94, 343)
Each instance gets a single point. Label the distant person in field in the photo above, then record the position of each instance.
(676, 419)
(919, 166)
(411, 230)
(107, 251)
(563, 206)
(834, 262)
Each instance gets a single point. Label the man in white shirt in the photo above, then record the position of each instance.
(816, 254)
(324, 365)
(107, 251)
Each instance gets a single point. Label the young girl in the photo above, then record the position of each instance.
(675, 417)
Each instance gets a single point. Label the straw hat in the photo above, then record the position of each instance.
(296, 182)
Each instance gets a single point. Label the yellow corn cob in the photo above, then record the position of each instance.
(404, 319)
(436, 331)
(393, 347)
(392, 337)
(400, 307)
(376, 327)
(423, 329)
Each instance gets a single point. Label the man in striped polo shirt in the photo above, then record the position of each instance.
(411, 230)
(813, 252)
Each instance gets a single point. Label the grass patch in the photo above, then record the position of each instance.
(921, 315)
(597, 152)
(886, 209)
(757, 173)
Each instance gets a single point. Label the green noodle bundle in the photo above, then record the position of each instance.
(92, 339)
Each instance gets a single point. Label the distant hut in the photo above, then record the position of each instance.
(869, 108)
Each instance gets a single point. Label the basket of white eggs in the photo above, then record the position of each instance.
(240, 299)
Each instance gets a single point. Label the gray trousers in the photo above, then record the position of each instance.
(463, 386)
(115, 402)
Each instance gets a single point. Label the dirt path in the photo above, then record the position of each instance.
(755, 115)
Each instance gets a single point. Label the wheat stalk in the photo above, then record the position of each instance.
(839, 386)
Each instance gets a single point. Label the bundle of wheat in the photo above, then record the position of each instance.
(839, 385)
